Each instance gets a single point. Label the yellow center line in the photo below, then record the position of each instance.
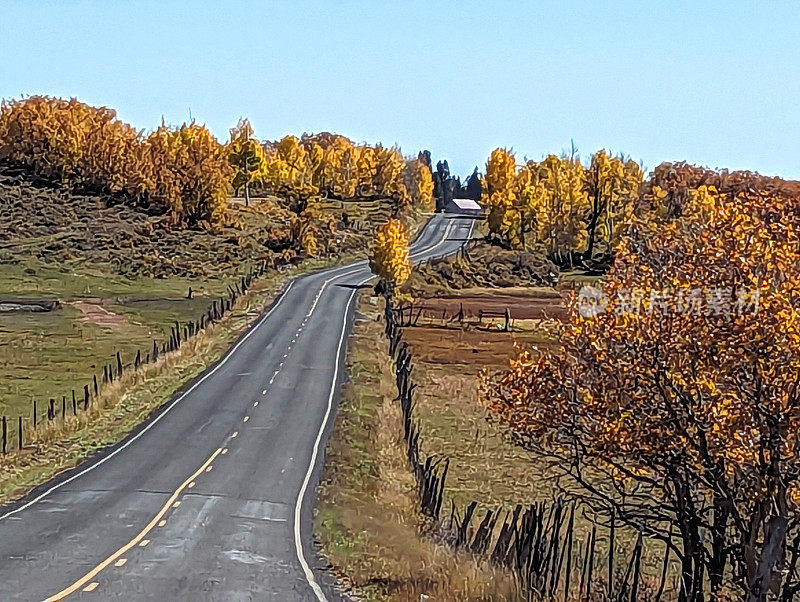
(133, 542)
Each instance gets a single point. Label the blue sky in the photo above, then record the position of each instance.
(715, 83)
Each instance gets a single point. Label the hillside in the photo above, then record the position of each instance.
(122, 275)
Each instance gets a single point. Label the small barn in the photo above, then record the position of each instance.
(463, 207)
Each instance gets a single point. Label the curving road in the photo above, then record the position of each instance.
(212, 498)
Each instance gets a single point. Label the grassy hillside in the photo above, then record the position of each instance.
(122, 276)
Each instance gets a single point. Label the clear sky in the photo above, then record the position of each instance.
(715, 83)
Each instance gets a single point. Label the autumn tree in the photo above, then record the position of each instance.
(418, 184)
(246, 157)
(500, 196)
(674, 401)
(183, 170)
(564, 205)
(612, 186)
(389, 256)
(193, 173)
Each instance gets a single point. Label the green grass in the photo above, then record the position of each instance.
(122, 406)
(47, 354)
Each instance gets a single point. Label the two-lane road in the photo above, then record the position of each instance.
(213, 498)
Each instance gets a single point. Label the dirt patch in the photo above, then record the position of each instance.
(466, 347)
(469, 329)
(92, 311)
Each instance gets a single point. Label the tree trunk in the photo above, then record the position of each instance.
(246, 194)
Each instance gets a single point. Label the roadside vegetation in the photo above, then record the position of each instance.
(368, 520)
(673, 402)
(120, 234)
(661, 400)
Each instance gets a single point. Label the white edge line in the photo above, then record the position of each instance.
(309, 574)
(298, 543)
(159, 416)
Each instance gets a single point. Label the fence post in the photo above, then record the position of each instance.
(74, 404)
(611, 557)
(5, 435)
(20, 431)
(85, 397)
(34, 413)
(63, 407)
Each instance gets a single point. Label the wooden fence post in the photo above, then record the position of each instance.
(74, 404)
(34, 413)
(5, 435)
(19, 434)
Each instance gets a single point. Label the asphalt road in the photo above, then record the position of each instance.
(212, 498)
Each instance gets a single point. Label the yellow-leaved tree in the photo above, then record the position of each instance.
(389, 256)
(246, 157)
(184, 169)
(418, 184)
(500, 196)
(612, 186)
(193, 173)
(561, 224)
(674, 401)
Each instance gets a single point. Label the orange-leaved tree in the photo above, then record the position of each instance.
(389, 256)
(674, 400)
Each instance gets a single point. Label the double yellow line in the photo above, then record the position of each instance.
(135, 541)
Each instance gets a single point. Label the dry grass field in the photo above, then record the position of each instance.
(368, 522)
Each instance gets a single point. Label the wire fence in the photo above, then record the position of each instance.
(539, 543)
(18, 431)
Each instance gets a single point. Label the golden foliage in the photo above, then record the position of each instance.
(329, 165)
(567, 208)
(419, 184)
(184, 169)
(245, 154)
(500, 196)
(612, 186)
(389, 257)
(684, 386)
(192, 172)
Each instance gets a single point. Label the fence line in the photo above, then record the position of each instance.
(179, 334)
(536, 543)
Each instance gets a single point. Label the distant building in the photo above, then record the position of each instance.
(463, 207)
